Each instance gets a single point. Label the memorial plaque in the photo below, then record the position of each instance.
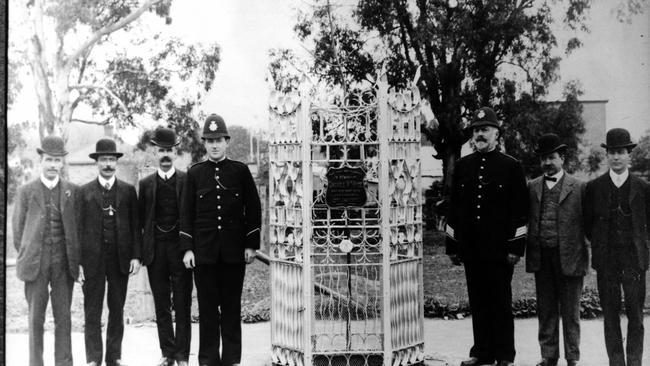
(345, 187)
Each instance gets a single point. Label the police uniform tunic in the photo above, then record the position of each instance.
(487, 222)
(221, 217)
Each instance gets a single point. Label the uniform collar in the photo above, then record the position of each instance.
(619, 179)
(168, 174)
(103, 182)
(220, 162)
(487, 155)
(50, 184)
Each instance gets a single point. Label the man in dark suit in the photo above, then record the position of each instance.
(556, 252)
(160, 197)
(486, 231)
(617, 222)
(220, 231)
(48, 251)
(111, 243)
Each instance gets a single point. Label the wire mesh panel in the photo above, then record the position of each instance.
(346, 229)
(405, 199)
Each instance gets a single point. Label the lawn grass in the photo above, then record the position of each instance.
(443, 283)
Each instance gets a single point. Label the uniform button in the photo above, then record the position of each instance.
(218, 197)
(217, 177)
(217, 169)
(481, 167)
(478, 217)
(218, 187)
(480, 177)
(480, 186)
(483, 159)
(479, 196)
(478, 206)
(219, 227)
(218, 207)
(218, 217)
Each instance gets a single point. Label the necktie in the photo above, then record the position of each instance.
(552, 179)
(107, 187)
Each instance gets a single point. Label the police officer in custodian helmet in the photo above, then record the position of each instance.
(220, 231)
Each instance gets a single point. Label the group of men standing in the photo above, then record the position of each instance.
(495, 217)
(205, 221)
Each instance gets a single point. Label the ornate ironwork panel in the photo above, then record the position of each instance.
(346, 229)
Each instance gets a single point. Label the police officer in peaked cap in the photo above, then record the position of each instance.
(220, 232)
(486, 229)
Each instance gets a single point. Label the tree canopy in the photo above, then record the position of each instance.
(500, 53)
(99, 55)
(641, 155)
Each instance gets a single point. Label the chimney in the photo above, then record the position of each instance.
(109, 130)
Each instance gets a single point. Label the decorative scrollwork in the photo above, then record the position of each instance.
(348, 246)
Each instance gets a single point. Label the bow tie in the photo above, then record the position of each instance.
(552, 179)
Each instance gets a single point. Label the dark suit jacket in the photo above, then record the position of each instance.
(147, 205)
(129, 237)
(574, 254)
(596, 211)
(29, 222)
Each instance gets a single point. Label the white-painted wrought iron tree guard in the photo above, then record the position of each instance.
(346, 229)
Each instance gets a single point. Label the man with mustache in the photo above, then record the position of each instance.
(160, 200)
(556, 252)
(617, 222)
(220, 231)
(111, 250)
(486, 229)
(45, 237)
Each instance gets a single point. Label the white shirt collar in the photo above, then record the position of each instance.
(103, 181)
(50, 184)
(619, 179)
(550, 184)
(168, 174)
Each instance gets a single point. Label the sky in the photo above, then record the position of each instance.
(245, 30)
(612, 65)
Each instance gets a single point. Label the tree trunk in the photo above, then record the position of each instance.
(39, 68)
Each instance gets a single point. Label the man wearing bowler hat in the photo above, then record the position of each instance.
(556, 252)
(486, 229)
(45, 237)
(160, 197)
(220, 231)
(617, 222)
(111, 250)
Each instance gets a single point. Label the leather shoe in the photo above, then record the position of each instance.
(571, 362)
(547, 362)
(166, 361)
(115, 363)
(473, 361)
(92, 363)
(505, 363)
(182, 363)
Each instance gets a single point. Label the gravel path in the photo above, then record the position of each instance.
(447, 343)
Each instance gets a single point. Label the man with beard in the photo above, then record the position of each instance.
(48, 251)
(161, 194)
(220, 231)
(486, 231)
(556, 252)
(111, 243)
(617, 222)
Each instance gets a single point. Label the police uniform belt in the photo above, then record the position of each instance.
(166, 229)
